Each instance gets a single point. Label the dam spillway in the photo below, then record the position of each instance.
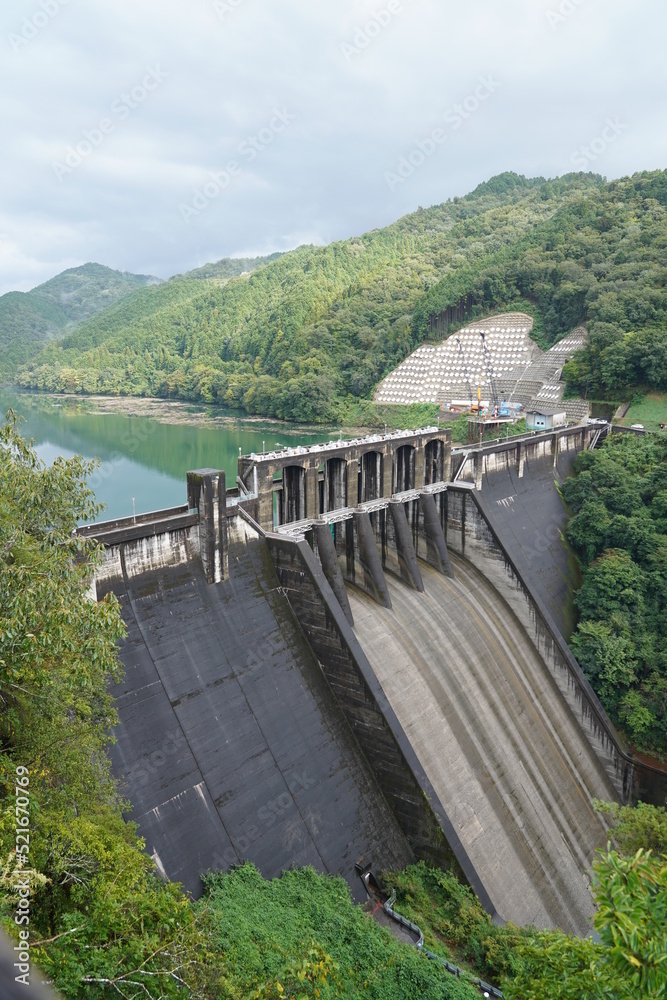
(496, 739)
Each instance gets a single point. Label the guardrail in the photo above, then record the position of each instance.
(128, 530)
(530, 436)
(454, 970)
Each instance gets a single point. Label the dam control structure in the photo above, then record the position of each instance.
(357, 650)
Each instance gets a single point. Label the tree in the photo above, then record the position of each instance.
(587, 530)
(613, 583)
(631, 894)
(617, 496)
(629, 963)
(608, 657)
(100, 922)
(641, 826)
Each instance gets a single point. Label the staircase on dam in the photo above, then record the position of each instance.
(497, 741)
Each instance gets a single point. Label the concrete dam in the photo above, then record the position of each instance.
(357, 651)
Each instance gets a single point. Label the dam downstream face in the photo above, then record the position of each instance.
(230, 744)
(495, 738)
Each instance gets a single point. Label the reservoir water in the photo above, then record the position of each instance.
(142, 456)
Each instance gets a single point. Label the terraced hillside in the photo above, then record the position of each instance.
(495, 354)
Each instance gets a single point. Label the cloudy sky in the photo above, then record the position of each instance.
(153, 137)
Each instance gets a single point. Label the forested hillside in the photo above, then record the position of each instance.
(29, 319)
(316, 329)
(228, 267)
(619, 530)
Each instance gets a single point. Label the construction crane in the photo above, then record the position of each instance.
(467, 375)
(489, 369)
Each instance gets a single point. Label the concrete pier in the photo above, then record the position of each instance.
(405, 550)
(370, 576)
(332, 571)
(437, 555)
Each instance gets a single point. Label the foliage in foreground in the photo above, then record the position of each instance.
(630, 963)
(302, 936)
(618, 499)
(99, 919)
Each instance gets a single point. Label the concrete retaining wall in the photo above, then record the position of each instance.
(145, 555)
(515, 452)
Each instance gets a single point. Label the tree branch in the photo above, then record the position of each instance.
(38, 944)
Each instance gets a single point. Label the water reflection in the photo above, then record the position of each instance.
(141, 457)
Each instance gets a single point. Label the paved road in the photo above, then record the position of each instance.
(495, 738)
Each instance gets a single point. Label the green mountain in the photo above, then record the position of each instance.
(228, 267)
(309, 333)
(29, 319)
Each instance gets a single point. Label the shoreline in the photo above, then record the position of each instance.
(164, 411)
(185, 413)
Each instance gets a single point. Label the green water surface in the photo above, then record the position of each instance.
(141, 457)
